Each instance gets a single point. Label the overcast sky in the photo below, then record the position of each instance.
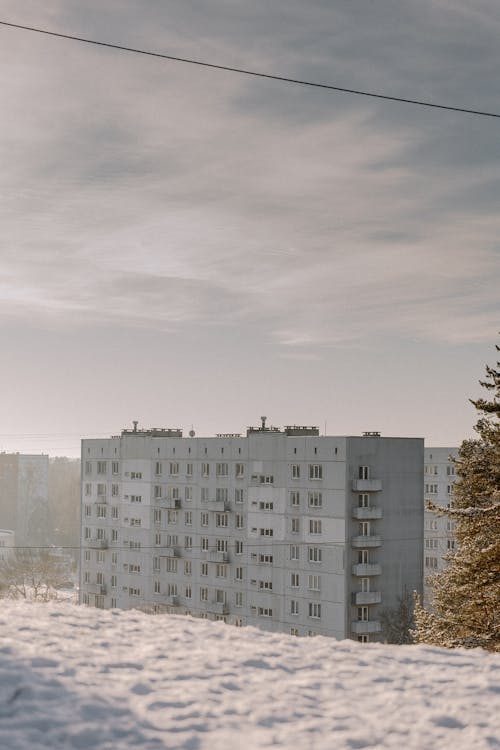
(189, 247)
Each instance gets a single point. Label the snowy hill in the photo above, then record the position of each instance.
(72, 677)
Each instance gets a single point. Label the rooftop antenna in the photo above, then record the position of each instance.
(135, 422)
(263, 419)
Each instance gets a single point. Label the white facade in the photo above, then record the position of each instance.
(284, 530)
(439, 538)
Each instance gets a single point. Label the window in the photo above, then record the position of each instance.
(239, 471)
(171, 565)
(86, 556)
(266, 505)
(188, 542)
(204, 569)
(113, 582)
(450, 525)
(294, 631)
(314, 583)
(450, 471)
(221, 494)
(238, 573)
(157, 516)
(295, 525)
(363, 614)
(238, 598)
(364, 528)
(114, 535)
(172, 517)
(158, 469)
(188, 567)
(364, 472)
(239, 522)
(294, 607)
(156, 564)
(222, 470)
(115, 467)
(203, 594)
(363, 556)
(221, 545)
(295, 499)
(431, 562)
(100, 556)
(136, 475)
(450, 544)
(266, 585)
(173, 469)
(220, 596)
(294, 552)
(449, 489)
(295, 471)
(266, 532)
(365, 585)
(136, 498)
(431, 489)
(315, 499)
(364, 500)
(204, 495)
(294, 580)
(157, 491)
(189, 470)
(86, 577)
(188, 493)
(134, 591)
(238, 496)
(188, 518)
(134, 568)
(205, 470)
(222, 520)
(204, 543)
(88, 467)
(204, 519)
(265, 612)
(171, 589)
(114, 490)
(265, 559)
(101, 467)
(238, 547)
(187, 591)
(315, 610)
(220, 571)
(158, 539)
(431, 544)
(314, 526)
(88, 489)
(174, 493)
(88, 511)
(157, 587)
(315, 471)
(315, 554)
(101, 490)
(114, 558)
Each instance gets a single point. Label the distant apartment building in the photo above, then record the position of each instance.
(7, 543)
(282, 529)
(24, 497)
(439, 538)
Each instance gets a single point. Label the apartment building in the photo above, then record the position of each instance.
(24, 497)
(439, 538)
(282, 529)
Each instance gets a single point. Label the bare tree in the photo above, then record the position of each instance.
(33, 574)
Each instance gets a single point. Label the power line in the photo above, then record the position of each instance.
(255, 74)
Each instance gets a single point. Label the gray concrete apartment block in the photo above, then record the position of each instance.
(286, 530)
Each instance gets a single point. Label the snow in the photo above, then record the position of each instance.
(72, 677)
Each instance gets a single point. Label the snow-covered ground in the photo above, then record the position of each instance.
(72, 677)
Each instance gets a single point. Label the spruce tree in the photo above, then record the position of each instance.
(466, 595)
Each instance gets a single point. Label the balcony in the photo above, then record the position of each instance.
(219, 557)
(367, 597)
(366, 485)
(219, 505)
(364, 541)
(99, 543)
(171, 551)
(366, 569)
(219, 608)
(171, 503)
(95, 588)
(366, 514)
(361, 627)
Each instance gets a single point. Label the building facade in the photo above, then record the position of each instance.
(439, 538)
(24, 499)
(286, 530)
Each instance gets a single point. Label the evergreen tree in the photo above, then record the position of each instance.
(466, 595)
